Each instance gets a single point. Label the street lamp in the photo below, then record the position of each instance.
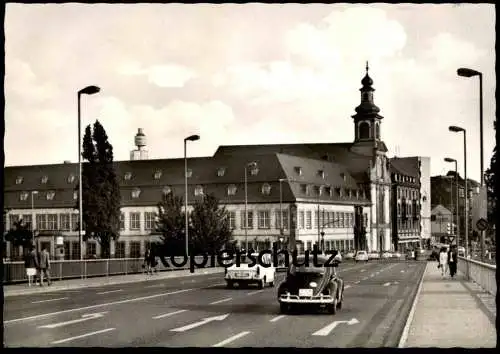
(281, 180)
(448, 159)
(456, 129)
(252, 164)
(466, 72)
(33, 213)
(186, 231)
(89, 90)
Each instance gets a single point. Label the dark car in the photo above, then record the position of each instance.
(311, 285)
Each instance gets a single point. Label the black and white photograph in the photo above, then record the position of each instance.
(254, 175)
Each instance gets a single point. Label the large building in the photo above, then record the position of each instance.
(338, 195)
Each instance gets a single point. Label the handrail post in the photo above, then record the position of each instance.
(85, 268)
(60, 270)
(107, 267)
(126, 266)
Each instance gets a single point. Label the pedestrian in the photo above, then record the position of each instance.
(443, 261)
(31, 264)
(452, 260)
(44, 264)
(147, 261)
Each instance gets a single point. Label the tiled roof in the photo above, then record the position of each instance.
(407, 166)
(439, 209)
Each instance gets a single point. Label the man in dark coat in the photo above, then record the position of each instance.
(44, 263)
(452, 260)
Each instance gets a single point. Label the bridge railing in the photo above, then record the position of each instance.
(15, 272)
(482, 274)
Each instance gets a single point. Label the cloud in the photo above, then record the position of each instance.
(169, 75)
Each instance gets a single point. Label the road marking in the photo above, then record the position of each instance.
(213, 285)
(168, 314)
(347, 287)
(363, 270)
(188, 281)
(212, 278)
(86, 317)
(255, 292)
(326, 330)
(387, 284)
(372, 275)
(365, 278)
(200, 323)
(403, 271)
(83, 336)
(356, 282)
(97, 306)
(109, 292)
(219, 301)
(231, 339)
(48, 300)
(277, 318)
(155, 286)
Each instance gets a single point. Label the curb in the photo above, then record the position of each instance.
(108, 281)
(409, 320)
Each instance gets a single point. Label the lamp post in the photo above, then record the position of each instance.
(89, 90)
(281, 180)
(466, 72)
(186, 225)
(33, 214)
(456, 129)
(252, 164)
(447, 159)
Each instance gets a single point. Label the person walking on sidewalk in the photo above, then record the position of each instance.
(452, 260)
(31, 264)
(147, 261)
(443, 261)
(44, 266)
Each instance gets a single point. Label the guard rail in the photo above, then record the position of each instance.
(15, 272)
(482, 274)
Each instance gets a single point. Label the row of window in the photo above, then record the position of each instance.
(402, 178)
(44, 180)
(408, 208)
(407, 193)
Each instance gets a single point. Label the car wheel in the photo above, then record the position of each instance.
(284, 308)
(230, 284)
(332, 308)
(341, 298)
(261, 283)
(271, 284)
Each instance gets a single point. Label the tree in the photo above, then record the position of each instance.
(20, 235)
(491, 182)
(171, 225)
(100, 189)
(210, 226)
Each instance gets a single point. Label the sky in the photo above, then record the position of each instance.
(247, 74)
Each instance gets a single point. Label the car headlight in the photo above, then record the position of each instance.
(313, 284)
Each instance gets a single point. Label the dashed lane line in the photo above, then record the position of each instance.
(387, 284)
(347, 286)
(83, 336)
(231, 339)
(220, 301)
(255, 292)
(49, 300)
(168, 314)
(277, 318)
(110, 291)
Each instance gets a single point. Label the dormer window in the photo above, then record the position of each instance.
(350, 193)
(75, 195)
(321, 174)
(136, 193)
(127, 176)
(319, 190)
(71, 178)
(157, 174)
(266, 189)
(23, 196)
(298, 170)
(45, 179)
(254, 170)
(166, 190)
(198, 190)
(50, 195)
(19, 180)
(231, 189)
(364, 194)
(328, 191)
(221, 171)
(189, 173)
(341, 193)
(342, 175)
(304, 189)
(357, 193)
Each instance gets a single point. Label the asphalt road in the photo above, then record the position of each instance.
(200, 312)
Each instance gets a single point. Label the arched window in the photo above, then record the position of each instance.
(377, 130)
(364, 130)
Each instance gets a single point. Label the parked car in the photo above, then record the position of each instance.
(350, 255)
(311, 285)
(373, 255)
(249, 271)
(361, 256)
(387, 255)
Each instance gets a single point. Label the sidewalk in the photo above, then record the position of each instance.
(451, 313)
(58, 285)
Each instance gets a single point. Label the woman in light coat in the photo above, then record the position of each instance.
(443, 261)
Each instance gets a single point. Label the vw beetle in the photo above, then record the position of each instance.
(312, 285)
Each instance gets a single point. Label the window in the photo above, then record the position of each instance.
(304, 189)
(309, 245)
(461, 192)
(19, 180)
(321, 174)
(298, 170)
(135, 249)
(74, 221)
(149, 220)
(122, 221)
(67, 250)
(14, 252)
(231, 189)
(301, 219)
(221, 171)
(189, 173)
(157, 174)
(50, 195)
(342, 175)
(285, 219)
(341, 219)
(250, 219)
(399, 209)
(319, 190)
(308, 219)
(41, 221)
(65, 221)
(91, 249)
(23, 196)
(13, 219)
(136, 193)
(264, 219)
(357, 194)
(364, 130)
(75, 195)
(71, 178)
(127, 176)
(166, 190)
(45, 179)
(326, 219)
(350, 193)
(120, 249)
(51, 222)
(254, 171)
(266, 189)
(232, 219)
(198, 190)
(28, 221)
(135, 221)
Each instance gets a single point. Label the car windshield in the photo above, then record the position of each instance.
(301, 267)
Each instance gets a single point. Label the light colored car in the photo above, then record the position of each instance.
(350, 255)
(373, 255)
(461, 251)
(249, 271)
(386, 255)
(396, 255)
(361, 256)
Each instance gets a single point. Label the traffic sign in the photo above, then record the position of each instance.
(482, 224)
(479, 207)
